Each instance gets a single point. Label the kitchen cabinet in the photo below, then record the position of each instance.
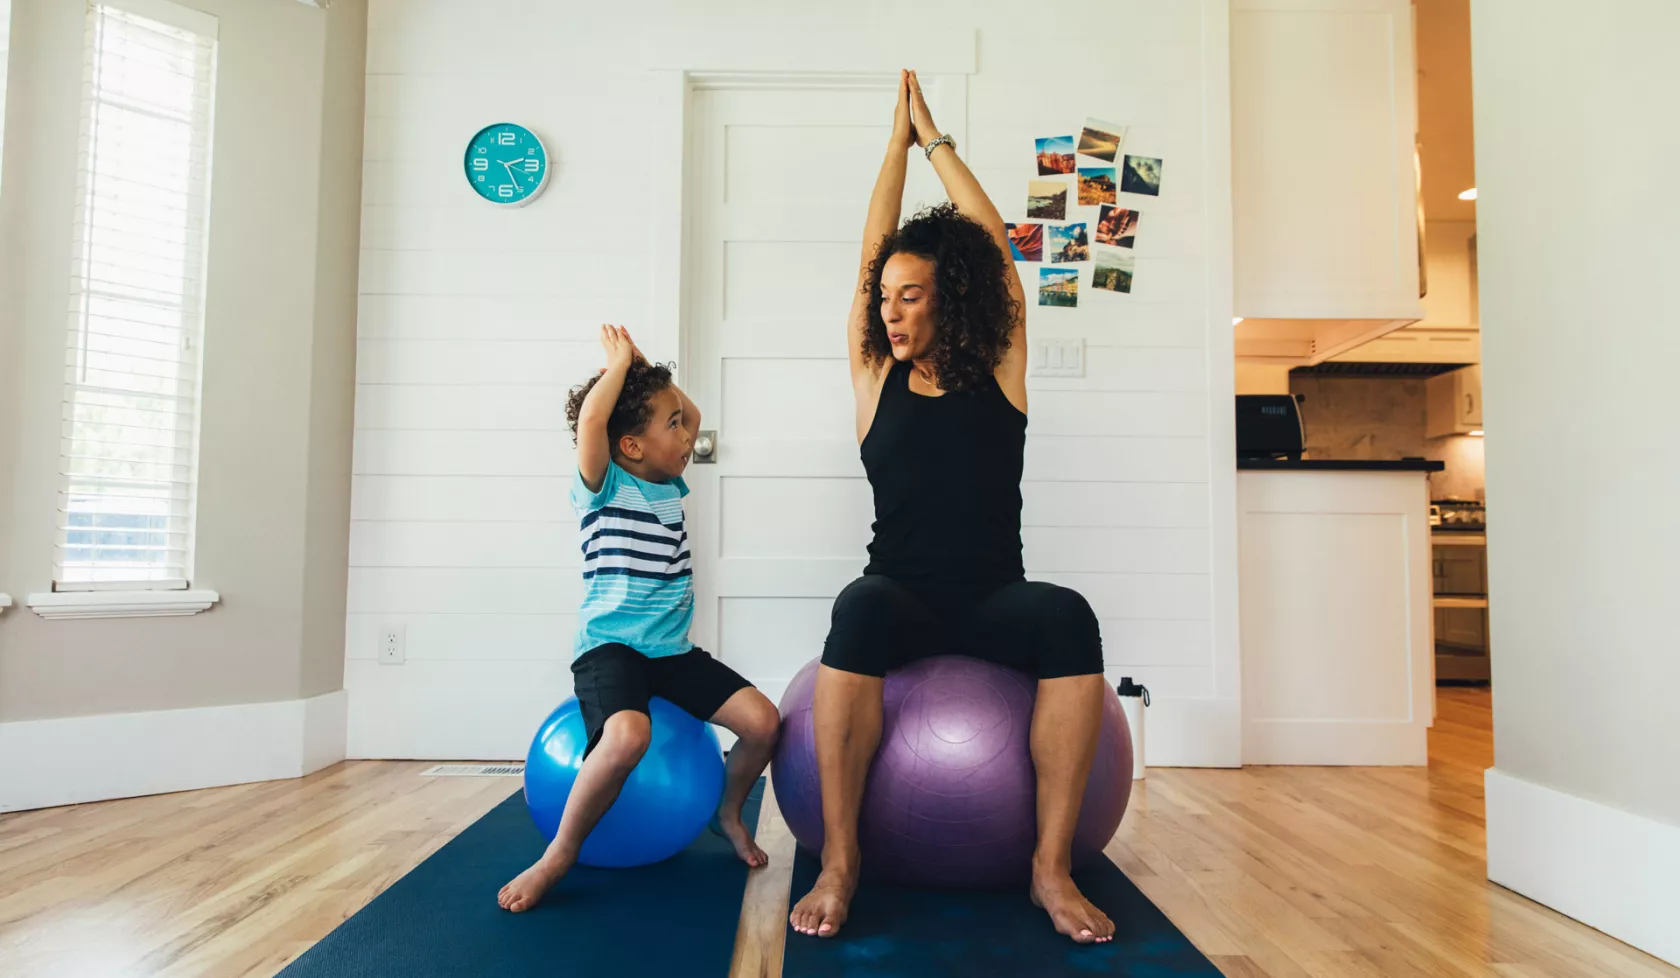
(1455, 402)
(1334, 585)
(1324, 175)
(1417, 345)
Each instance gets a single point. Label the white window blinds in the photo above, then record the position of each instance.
(131, 408)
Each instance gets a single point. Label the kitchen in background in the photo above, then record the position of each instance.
(1377, 410)
(1380, 380)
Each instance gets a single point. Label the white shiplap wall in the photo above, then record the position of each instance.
(475, 322)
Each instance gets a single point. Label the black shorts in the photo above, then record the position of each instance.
(614, 677)
(880, 624)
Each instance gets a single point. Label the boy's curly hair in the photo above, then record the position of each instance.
(635, 402)
(973, 308)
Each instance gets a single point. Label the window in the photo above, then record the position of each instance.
(131, 395)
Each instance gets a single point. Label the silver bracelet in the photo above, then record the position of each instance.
(944, 140)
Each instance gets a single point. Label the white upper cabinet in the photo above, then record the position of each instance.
(1323, 119)
(1455, 402)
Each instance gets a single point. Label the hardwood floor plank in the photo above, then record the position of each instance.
(1272, 872)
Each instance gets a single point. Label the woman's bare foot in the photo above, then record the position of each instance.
(526, 890)
(823, 910)
(1072, 914)
(736, 832)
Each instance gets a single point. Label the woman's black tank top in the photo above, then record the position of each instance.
(946, 473)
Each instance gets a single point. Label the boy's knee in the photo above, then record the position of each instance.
(625, 737)
(762, 721)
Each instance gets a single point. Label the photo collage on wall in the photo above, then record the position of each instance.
(1055, 234)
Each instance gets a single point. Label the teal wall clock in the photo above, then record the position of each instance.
(506, 164)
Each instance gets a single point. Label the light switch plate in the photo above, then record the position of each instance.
(1057, 357)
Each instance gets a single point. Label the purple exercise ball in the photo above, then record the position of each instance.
(950, 801)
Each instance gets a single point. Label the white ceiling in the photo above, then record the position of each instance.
(1445, 129)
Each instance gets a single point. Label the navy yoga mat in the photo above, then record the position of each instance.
(893, 931)
(674, 918)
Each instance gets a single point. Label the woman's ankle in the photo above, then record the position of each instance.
(841, 858)
(1057, 865)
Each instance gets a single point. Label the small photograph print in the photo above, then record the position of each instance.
(1058, 286)
(1026, 242)
(1068, 243)
(1117, 226)
(1114, 270)
(1142, 176)
(1101, 140)
(1047, 199)
(1096, 185)
(1055, 155)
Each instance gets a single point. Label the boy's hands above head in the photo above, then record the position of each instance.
(621, 350)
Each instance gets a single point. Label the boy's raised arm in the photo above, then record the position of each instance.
(594, 452)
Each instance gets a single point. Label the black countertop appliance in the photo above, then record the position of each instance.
(1269, 426)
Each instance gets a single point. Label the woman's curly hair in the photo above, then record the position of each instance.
(635, 402)
(973, 309)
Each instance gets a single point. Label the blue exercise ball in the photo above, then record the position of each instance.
(667, 800)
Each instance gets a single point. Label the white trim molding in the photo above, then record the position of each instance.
(73, 760)
(120, 604)
(846, 50)
(1192, 732)
(1609, 869)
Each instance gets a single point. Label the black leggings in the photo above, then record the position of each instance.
(1042, 629)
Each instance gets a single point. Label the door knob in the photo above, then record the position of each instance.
(705, 447)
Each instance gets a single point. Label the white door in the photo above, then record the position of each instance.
(779, 179)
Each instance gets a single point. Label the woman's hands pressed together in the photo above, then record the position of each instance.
(921, 120)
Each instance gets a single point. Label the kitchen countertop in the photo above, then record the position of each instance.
(1342, 465)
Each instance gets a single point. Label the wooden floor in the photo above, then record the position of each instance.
(1270, 871)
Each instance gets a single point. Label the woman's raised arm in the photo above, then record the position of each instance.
(971, 200)
(884, 206)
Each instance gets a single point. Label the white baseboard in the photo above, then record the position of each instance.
(1611, 870)
(1185, 732)
(72, 760)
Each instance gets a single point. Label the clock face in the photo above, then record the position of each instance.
(506, 164)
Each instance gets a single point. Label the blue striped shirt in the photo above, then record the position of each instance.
(638, 587)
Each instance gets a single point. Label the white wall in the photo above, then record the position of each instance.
(5, 48)
(475, 322)
(1449, 303)
(277, 394)
(1579, 341)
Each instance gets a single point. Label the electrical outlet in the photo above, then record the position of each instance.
(391, 645)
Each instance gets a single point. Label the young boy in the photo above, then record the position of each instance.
(634, 429)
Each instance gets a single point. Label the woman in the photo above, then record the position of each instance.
(939, 367)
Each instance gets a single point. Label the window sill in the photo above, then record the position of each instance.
(120, 604)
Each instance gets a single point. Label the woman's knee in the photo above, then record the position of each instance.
(1070, 638)
(863, 628)
(869, 598)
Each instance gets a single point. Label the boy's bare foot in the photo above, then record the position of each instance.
(736, 832)
(1072, 914)
(824, 909)
(526, 890)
